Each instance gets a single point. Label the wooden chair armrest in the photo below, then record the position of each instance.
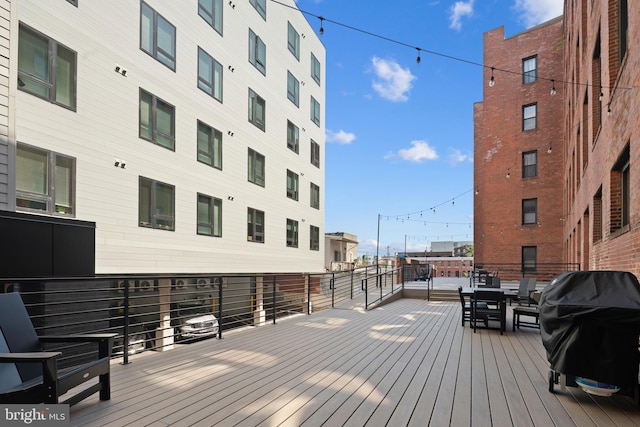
(77, 338)
(35, 357)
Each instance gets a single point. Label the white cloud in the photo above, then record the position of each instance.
(457, 156)
(459, 10)
(341, 137)
(419, 151)
(393, 82)
(534, 12)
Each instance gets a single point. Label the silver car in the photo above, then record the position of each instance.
(202, 325)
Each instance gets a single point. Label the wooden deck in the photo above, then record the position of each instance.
(409, 362)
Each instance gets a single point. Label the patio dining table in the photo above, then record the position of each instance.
(508, 293)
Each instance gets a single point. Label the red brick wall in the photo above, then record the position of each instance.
(499, 142)
(609, 245)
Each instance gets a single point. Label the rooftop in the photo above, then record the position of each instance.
(409, 362)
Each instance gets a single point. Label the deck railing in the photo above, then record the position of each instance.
(160, 312)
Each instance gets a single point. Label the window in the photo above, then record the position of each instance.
(529, 69)
(293, 41)
(623, 28)
(209, 216)
(293, 136)
(530, 164)
(255, 225)
(157, 120)
(529, 117)
(45, 181)
(315, 153)
(597, 216)
(530, 211)
(314, 233)
(257, 52)
(46, 68)
(211, 11)
(315, 111)
(156, 204)
(292, 233)
(209, 75)
(256, 167)
(529, 259)
(209, 145)
(257, 108)
(157, 36)
(620, 192)
(315, 196)
(292, 185)
(293, 89)
(315, 69)
(260, 6)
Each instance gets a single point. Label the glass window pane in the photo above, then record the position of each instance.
(217, 81)
(145, 116)
(32, 171)
(217, 149)
(164, 123)
(164, 200)
(204, 147)
(63, 188)
(65, 77)
(166, 42)
(144, 202)
(146, 29)
(33, 54)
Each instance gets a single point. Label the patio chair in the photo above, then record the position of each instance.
(466, 307)
(30, 375)
(526, 288)
(488, 306)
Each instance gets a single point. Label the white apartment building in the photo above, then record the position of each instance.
(191, 132)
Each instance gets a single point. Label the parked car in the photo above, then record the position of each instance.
(192, 323)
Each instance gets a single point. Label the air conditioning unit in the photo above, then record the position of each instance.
(145, 285)
(181, 284)
(120, 286)
(203, 284)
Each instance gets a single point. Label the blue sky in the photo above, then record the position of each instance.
(399, 135)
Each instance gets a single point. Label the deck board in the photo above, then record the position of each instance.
(409, 362)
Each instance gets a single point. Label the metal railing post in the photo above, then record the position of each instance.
(308, 294)
(274, 300)
(332, 286)
(125, 336)
(220, 279)
(366, 294)
(351, 282)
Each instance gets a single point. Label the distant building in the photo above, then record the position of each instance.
(518, 151)
(341, 251)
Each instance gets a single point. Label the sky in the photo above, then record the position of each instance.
(399, 134)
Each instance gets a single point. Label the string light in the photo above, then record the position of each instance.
(553, 88)
(442, 55)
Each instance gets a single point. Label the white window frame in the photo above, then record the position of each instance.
(529, 69)
(530, 117)
(529, 211)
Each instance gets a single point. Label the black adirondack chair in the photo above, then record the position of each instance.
(28, 374)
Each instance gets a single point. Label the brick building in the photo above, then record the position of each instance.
(518, 152)
(602, 128)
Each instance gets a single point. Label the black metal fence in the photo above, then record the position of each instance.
(160, 312)
(543, 272)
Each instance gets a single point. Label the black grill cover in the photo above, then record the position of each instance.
(590, 325)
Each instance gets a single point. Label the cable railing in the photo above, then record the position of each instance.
(161, 312)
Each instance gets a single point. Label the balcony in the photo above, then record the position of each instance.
(406, 362)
